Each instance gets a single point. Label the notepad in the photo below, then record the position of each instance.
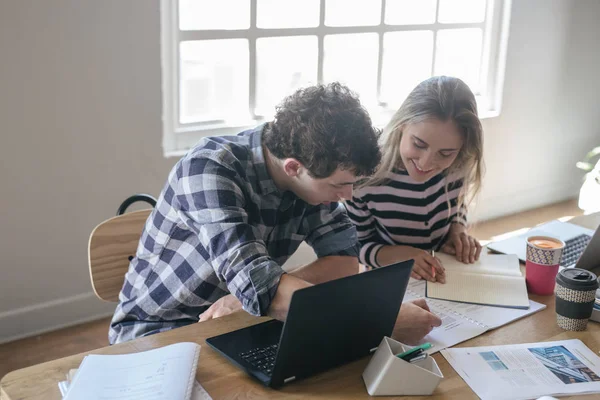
(495, 279)
(166, 373)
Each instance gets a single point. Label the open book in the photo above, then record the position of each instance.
(495, 280)
(164, 373)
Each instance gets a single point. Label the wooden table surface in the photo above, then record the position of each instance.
(224, 381)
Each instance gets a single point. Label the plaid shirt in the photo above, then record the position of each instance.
(220, 226)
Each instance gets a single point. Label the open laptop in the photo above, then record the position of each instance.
(327, 325)
(582, 245)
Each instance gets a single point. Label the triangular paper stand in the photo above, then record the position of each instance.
(388, 375)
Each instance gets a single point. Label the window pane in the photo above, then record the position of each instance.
(213, 80)
(409, 12)
(352, 59)
(209, 14)
(287, 13)
(407, 60)
(284, 64)
(453, 11)
(458, 53)
(352, 12)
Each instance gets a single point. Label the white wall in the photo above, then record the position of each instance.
(549, 118)
(80, 118)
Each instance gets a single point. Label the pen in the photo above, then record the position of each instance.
(432, 267)
(418, 358)
(407, 353)
(413, 355)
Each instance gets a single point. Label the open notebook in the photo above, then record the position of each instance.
(164, 373)
(493, 280)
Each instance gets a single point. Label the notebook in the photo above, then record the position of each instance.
(494, 280)
(198, 392)
(164, 373)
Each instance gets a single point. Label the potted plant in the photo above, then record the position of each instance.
(589, 195)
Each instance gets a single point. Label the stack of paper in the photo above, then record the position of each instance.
(164, 373)
(492, 280)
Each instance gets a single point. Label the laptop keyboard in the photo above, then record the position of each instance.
(573, 249)
(262, 358)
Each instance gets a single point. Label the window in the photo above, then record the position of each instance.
(227, 63)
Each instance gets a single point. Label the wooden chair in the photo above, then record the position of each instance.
(113, 244)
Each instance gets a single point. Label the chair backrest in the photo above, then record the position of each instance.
(111, 246)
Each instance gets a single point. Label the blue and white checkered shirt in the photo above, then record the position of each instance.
(220, 226)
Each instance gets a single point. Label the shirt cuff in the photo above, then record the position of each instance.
(368, 254)
(344, 243)
(263, 283)
(459, 220)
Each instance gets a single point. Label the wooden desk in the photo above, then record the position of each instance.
(224, 381)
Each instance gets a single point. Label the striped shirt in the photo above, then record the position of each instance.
(404, 212)
(220, 226)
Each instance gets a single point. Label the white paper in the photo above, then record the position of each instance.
(527, 371)
(488, 264)
(160, 374)
(198, 393)
(461, 321)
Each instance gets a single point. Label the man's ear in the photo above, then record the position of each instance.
(292, 167)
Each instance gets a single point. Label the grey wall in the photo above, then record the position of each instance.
(80, 117)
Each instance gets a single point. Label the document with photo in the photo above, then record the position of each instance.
(528, 371)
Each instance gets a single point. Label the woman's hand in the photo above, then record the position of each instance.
(462, 245)
(427, 267)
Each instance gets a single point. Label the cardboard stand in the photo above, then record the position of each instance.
(388, 375)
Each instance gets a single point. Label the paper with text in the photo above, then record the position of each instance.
(166, 373)
(198, 393)
(527, 371)
(463, 321)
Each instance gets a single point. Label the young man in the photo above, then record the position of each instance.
(234, 209)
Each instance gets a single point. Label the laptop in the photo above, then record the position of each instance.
(327, 325)
(582, 248)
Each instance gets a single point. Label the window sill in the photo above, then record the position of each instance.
(187, 138)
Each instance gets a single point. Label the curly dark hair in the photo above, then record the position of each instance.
(325, 128)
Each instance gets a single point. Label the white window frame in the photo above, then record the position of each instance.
(178, 137)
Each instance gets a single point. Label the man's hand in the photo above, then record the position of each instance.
(414, 322)
(279, 306)
(462, 245)
(224, 306)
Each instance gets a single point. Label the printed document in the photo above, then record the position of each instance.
(462, 321)
(528, 371)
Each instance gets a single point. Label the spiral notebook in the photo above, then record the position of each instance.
(166, 373)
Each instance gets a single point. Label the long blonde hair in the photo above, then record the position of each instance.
(443, 98)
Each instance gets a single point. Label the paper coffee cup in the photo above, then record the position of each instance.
(541, 266)
(575, 297)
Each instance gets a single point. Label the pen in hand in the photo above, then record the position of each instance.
(432, 267)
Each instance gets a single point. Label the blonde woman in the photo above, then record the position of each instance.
(416, 202)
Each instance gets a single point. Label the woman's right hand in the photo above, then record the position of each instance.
(427, 267)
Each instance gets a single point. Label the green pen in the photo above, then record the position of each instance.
(407, 353)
